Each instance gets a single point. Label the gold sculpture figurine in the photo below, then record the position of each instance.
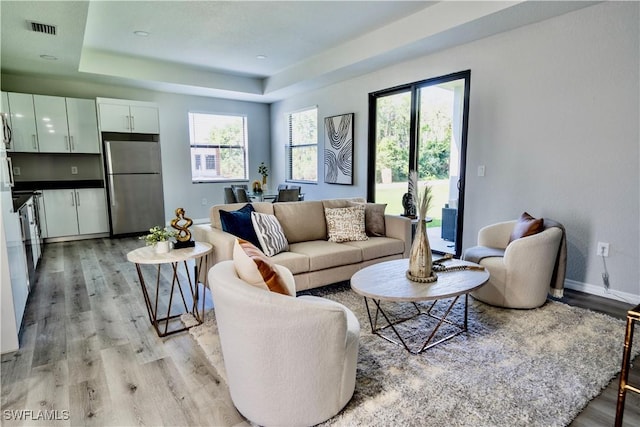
(182, 224)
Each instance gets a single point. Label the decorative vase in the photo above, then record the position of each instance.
(420, 258)
(264, 184)
(162, 247)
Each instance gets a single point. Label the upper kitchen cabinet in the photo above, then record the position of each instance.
(120, 115)
(83, 125)
(66, 125)
(23, 122)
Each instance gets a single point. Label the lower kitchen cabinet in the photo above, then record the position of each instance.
(75, 212)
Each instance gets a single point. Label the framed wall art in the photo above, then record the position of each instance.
(338, 149)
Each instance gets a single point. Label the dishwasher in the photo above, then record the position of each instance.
(23, 213)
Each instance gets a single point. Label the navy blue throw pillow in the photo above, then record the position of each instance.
(239, 224)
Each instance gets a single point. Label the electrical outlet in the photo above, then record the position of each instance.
(74, 170)
(481, 170)
(603, 249)
(204, 202)
(16, 170)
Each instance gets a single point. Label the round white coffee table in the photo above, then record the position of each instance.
(147, 256)
(387, 281)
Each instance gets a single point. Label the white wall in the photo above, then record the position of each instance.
(179, 191)
(554, 117)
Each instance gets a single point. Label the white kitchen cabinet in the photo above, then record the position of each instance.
(75, 212)
(23, 123)
(66, 125)
(119, 115)
(92, 211)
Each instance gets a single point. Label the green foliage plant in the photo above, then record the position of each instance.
(157, 234)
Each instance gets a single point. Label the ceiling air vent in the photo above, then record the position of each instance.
(42, 28)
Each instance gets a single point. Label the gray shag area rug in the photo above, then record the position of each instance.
(512, 368)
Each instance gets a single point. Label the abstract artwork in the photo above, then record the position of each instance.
(338, 149)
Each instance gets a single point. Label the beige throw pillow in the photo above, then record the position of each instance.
(345, 224)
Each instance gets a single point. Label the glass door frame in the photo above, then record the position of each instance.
(414, 88)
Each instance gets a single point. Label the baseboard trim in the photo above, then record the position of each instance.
(602, 292)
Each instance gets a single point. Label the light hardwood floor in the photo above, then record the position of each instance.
(89, 355)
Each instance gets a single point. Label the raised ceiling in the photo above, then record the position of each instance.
(211, 48)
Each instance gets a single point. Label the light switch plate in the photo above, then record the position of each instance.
(481, 170)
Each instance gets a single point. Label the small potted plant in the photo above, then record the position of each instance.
(159, 238)
(264, 171)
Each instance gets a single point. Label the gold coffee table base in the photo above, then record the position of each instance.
(390, 323)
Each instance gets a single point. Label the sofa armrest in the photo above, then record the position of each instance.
(399, 227)
(496, 235)
(221, 240)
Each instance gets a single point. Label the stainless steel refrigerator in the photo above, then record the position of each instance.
(134, 185)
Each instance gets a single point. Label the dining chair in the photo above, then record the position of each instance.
(229, 195)
(241, 195)
(288, 195)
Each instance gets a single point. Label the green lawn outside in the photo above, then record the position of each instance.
(391, 194)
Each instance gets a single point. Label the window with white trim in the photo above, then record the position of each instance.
(218, 147)
(302, 146)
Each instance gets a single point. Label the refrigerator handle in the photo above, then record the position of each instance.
(12, 181)
(107, 152)
(111, 192)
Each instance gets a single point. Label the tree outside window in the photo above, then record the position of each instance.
(222, 141)
(302, 147)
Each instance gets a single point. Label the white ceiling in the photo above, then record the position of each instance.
(210, 47)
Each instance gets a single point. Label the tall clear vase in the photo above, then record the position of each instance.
(420, 258)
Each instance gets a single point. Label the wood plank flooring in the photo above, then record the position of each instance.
(89, 355)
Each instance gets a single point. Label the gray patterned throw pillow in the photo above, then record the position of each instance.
(270, 233)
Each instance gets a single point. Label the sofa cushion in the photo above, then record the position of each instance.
(295, 262)
(526, 226)
(342, 203)
(373, 218)
(269, 232)
(301, 221)
(323, 254)
(255, 268)
(239, 224)
(378, 247)
(345, 224)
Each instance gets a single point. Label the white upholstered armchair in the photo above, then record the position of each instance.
(289, 361)
(522, 272)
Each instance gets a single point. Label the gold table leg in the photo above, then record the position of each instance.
(633, 316)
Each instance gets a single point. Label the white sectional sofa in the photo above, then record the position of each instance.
(313, 260)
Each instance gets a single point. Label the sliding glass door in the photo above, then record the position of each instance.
(422, 126)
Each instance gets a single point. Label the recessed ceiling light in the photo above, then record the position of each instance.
(49, 57)
(261, 56)
(141, 33)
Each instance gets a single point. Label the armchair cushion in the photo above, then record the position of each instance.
(526, 226)
(254, 267)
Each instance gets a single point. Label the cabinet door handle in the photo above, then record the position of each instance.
(67, 143)
(34, 141)
(73, 198)
(72, 144)
(127, 122)
(133, 123)
(77, 198)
